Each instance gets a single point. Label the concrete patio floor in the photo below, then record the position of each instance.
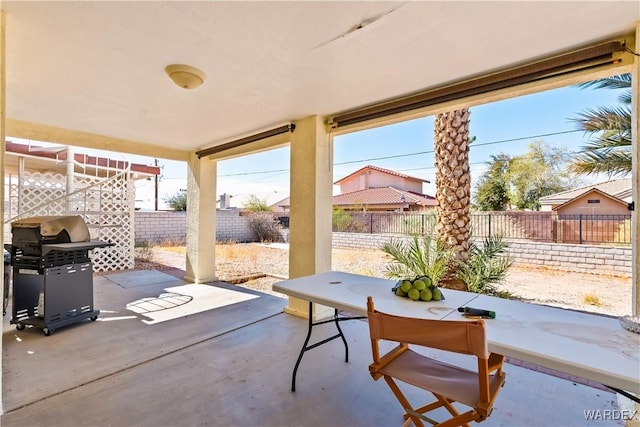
(221, 355)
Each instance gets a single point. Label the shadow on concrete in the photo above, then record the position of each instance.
(228, 365)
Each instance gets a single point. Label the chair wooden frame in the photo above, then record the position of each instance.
(448, 383)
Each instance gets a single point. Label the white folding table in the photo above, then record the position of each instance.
(586, 345)
(348, 292)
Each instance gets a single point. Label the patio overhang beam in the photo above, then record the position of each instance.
(39, 132)
(286, 129)
(592, 59)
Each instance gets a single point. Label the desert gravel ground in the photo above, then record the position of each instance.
(236, 262)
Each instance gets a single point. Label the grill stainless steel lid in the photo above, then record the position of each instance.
(47, 241)
(53, 229)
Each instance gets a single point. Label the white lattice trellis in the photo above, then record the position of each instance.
(107, 206)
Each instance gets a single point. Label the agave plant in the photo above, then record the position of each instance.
(486, 267)
(424, 256)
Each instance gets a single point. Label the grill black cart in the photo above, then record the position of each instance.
(52, 272)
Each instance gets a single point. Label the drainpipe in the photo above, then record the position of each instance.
(20, 182)
(156, 187)
(70, 178)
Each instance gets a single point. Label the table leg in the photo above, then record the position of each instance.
(304, 348)
(344, 340)
(625, 394)
(337, 319)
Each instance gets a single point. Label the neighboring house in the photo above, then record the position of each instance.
(606, 198)
(374, 177)
(372, 188)
(224, 202)
(281, 206)
(597, 213)
(384, 199)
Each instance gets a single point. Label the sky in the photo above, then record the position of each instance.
(501, 127)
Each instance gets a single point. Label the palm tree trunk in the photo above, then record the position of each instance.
(453, 180)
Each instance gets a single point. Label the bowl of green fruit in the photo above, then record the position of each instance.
(418, 289)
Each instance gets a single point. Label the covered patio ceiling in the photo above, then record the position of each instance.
(98, 67)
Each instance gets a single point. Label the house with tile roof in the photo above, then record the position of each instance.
(605, 198)
(372, 188)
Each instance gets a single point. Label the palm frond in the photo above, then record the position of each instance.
(621, 81)
(613, 163)
(397, 249)
(609, 151)
(604, 118)
(424, 256)
(625, 97)
(610, 141)
(486, 267)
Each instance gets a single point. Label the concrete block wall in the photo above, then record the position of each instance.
(230, 225)
(165, 226)
(568, 257)
(362, 240)
(160, 226)
(558, 256)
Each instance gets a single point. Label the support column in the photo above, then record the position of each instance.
(311, 206)
(3, 117)
(624, 403)
(635, 178)
(201, 220)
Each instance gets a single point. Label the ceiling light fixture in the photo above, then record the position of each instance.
(185, 76)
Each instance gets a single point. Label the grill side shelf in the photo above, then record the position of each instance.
(74, 246)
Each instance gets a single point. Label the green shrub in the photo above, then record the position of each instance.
(265, 227)
(170, 243)
(423, 223)
(486, 267)
(177, 201)
(144, 250)
(428, 256)
(255, 204)
(348, 222)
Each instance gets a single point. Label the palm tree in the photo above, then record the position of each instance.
(610, 150)
(453, 180)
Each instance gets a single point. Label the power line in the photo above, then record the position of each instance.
(416, 153)
(567, 155)
(526, 137)
(471, 146)
(255, 173)
(433, 167)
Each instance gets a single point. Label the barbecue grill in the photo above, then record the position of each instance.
(52, 272)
